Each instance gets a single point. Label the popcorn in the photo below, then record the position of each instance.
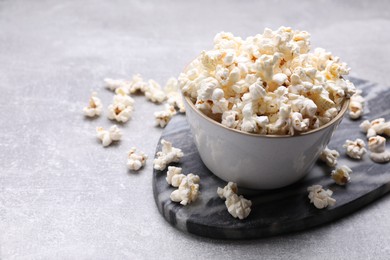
(329, 157)
(94, 107)
(377, 147)
(136, 161)
(167, 155)
(137, 84)
(154, 93)
(356, 105)
(319, 197)
(188, 190)
(113, 134)
(237, 206)
(163, 117)
(113, 84)
(377, 126)
(341, 175)
(174, 176)
(122, 107)
(174, 97)
(355, 149)
(228, 190)
(241, 82)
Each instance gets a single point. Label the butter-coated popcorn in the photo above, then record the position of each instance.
(329, 157)
(241, 80)
(154, 92)
(94, 107)
(376, 127)
(341, 175)
(355, 149)
(237, 206)
(107, 137)
(136, 161)
(167, 155)
(356, 105)
(188, 190)
(319, 197)
(377, 147)
(163, 117)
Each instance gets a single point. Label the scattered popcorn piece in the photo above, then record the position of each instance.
(163, 117)
(375, 127)
(122, 107)
(355, 149)
(356, 105)
(174, 176)
(341, 175)
(154, 93)
(174, 97)
(94, 107)
(113, 134)
(319, 197)
(136, 161)
(237, 206)
(167, 155)
(137, 84)
(329, 157)
(188, 190)
(377, 147)
(272, 76)
(113, 84)
(227, 191)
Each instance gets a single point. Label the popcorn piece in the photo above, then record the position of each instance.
(113, 134)
(113, 84)
(163, 117)
(355, 149)
(341, 175)
(94, 107)
(273, 75)
(122, 107)
(137, 84)
(174, 176)
(136, 161)
(377, 147)
(356, 105)
(375, 127)
(329, 157)
(154, 93)
(227, 191)
(188, 190)
(237, 206)
(319, 197)
(168, 155)
(174, 97)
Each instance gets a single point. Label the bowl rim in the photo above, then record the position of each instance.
(339, 115)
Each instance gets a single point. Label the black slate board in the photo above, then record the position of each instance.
(282, 210)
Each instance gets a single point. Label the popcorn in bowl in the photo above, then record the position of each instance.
(268, 83)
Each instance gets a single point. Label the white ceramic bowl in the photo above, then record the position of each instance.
(257, 161)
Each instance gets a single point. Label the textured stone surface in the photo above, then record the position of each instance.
(282, 210)
(64, 196)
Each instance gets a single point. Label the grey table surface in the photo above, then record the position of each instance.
(63, 196)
